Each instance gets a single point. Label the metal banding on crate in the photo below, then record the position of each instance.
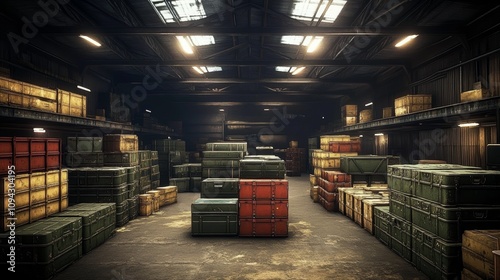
(210, 216)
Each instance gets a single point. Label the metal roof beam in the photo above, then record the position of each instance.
(249, 31)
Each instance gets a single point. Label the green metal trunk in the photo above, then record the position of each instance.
(98, 222)
(446, 256)
(382, 225)
(262, 169)
(81, 159)
(96, 194)
(400, 205)
(221, 172)
(214, 216)
(181, 183)
(84, 144)
(401, 237)
(362, 165)
(220, 163)
(46, 247)
(220, 188)
(227, 146)
(121, 159)
(223, 154)
(449, 223)
(194, 184)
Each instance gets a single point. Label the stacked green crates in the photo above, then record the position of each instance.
(145, 173)
(101, 185)
(435, 204)
(170, 152)
(84, 152)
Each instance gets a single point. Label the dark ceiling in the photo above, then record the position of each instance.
(356, 53)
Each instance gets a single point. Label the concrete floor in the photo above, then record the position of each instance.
(320, 245)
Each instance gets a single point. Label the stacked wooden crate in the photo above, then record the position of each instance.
(333, 147)
(35, 185)
(328, 188)
(34, 97)
(477, 93)
(295, 161)
(412, 103)
(478, 256)
(349, 114)
(365, 115)
(431, 207)
(263, 197)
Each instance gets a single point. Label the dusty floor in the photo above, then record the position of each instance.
(320, 245)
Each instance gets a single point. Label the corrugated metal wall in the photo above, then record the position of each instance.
(465, 146)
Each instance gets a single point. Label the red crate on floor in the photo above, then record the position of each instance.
(328, 196)
(269, 209)
(29, 154)
(263, 227)
(263, 189)
(329, 206)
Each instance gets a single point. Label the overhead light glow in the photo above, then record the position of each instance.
(314, 44)
(266, 109)
(179, 10)
(405, 41)
(148, 111)
(207, 69)
(379, 134)
(83, 88)
(361, 135)
(90, 40)
(221, 110)
(185, 44)
(38, 130)
(297, 70)
(368, 104)
(468, 124)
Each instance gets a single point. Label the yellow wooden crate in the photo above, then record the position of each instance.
(365, 115)
(386, 112)
(10, 84)
(38, 91)
(326, 139)
(26, 215)
(349, 111)
(473, 95)
(71, 104)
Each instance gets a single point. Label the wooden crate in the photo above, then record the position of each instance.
(387, 112)
(412, 103)
(120, 143)
(71, 104)
(28, 102)
(475, 94)
(349, 111)
(365, 115)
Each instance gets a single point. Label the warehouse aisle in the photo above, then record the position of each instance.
(320, 245)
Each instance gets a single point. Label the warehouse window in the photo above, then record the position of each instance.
(306, 10)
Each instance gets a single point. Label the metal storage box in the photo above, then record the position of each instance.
(98, 222)
(262, 169)
(220, 188)
(401, 237)
(383, 225)
(267, 209)
(364, 165)
(220, 163)
(125, 159)
(446, 256)
(263, 189)
(449, 223)
(84, 144)
(81, 159)
(223, 154)
(227, 146)
(214, 216)
(46, 247)
(182, 184)
(369, 214)
(263, 227)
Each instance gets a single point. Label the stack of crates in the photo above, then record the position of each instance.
(295, 160)
(325, 160)
(431, 208)
(328, 188)
(35, 185)
(187, 177)
(84, 152)
(263, 197)
(171, 152)
(216, 211)
(101, 185)
(155, 170)
(145, 167)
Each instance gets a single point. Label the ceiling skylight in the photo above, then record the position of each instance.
(183, 10)
(179, 10)
(305, 9)
(293, 70)
(206, 69)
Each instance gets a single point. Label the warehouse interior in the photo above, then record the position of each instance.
(278, 74)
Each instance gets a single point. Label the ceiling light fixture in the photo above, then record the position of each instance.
(185, 44)
(148, 111)
(405, 41)
(83, 88)
(197, 69)
(468, 124)
(368, 104)
(314, 44)
(266, 109)
(221, 110)
(297, 70)
(361, 136)
(90, 40)
(38, 130)
(379, 134)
